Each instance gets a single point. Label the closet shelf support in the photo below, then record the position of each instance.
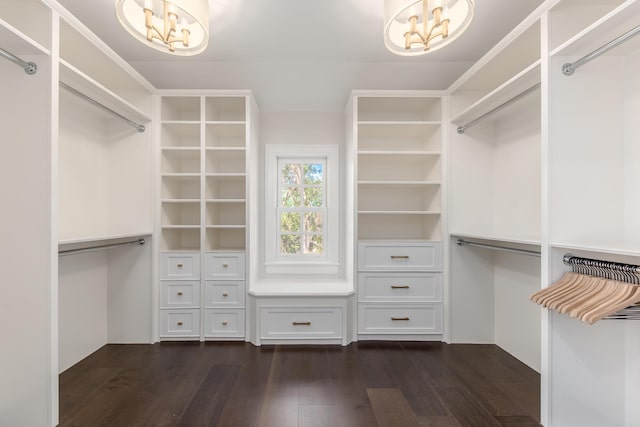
(139, 242)
(463, 128)
(570, 67)
(140, 128)
(462, 242)
(29, 67)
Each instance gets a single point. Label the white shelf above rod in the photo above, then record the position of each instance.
(140, 128)
(462, 242)
(463, 128)
(139, 242)
(29, 67)
(570, 67)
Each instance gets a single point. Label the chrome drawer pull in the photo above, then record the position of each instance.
(399, 256)
(225, 294)
(301, 323)
(399, 318)
(225, 265)
(179, 323)
(399, 286)
(224, 323)
(179, 294)
(179, 265)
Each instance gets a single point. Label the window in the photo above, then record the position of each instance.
(301, 211)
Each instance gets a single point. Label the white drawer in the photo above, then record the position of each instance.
(397, 256)
(224, 294)
(224, 266)
(180, 294)
(400, 319)
(400, 287)
(180, 323)
(223, 323)
(300, 322)
(180, 266)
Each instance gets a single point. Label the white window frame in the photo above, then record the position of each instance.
(303, 264)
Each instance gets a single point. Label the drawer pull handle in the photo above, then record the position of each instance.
(399, 318)
(179, 294)
(179, 323)
(179, 265)
(225, 265)
(226, 294)
(399, 286)
(301, 323)
(225, 323)
(399, 256)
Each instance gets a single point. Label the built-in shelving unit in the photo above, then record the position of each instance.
(593, 151)
(399, 167)
(203, 223)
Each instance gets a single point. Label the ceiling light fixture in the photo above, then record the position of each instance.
(415, 27)
(180, 27)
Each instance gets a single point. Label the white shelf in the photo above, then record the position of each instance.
(630, 250)
(398, 122)
(225, 200)
(18, 43)
(181, 175)
(399, 212)
(225, 149)
(399, 153)
(609, 27)
(225, 122)
(180, 200)
(80, 81)
(399, 183)
(218, 227)
(180, 226)
(100, 239)
(503, 93)
(227, 174)
(180, 122)
(497, 239)
(176, 148)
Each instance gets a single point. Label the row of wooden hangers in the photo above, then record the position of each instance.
(588, 298)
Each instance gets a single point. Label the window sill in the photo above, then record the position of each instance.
(302, 268)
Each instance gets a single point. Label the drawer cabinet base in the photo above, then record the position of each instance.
(400, 319)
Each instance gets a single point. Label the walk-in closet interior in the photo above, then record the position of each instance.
(461, 211)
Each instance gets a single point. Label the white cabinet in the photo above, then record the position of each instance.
(400, 290)
(203, 187)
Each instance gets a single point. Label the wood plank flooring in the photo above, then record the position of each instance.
(238, 384)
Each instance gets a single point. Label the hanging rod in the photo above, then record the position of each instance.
(595, 266)
(569, 68)
(29, 67)
(463, 242)
(138, 126)
(463, 128)
(100, 247)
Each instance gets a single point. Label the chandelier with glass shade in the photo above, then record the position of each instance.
(416, 27)
(179, 27)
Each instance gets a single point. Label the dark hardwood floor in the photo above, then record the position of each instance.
(237, 384)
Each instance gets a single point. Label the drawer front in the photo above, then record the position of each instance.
(300, 323)
(400, 319)
(180, 294)
(224, 266)
(400, 287)
(224, 294)
(180, 323)
(400, 256)
(224, 323)
(180, 266)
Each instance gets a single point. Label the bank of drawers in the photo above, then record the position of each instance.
(399, 288)
(195, 307)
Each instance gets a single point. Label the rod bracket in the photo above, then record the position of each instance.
(30, 68)
(568, 69)
(460, 130)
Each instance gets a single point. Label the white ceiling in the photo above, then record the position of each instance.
(303, 55)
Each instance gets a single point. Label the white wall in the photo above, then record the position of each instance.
(297, 128)
(25, 252)
(82, 290)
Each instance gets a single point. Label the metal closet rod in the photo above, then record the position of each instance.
(569, 68)
(138, 126)
(597, 264)
(101, 247)
(466, 126)
(463, 242)
(29, 67)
